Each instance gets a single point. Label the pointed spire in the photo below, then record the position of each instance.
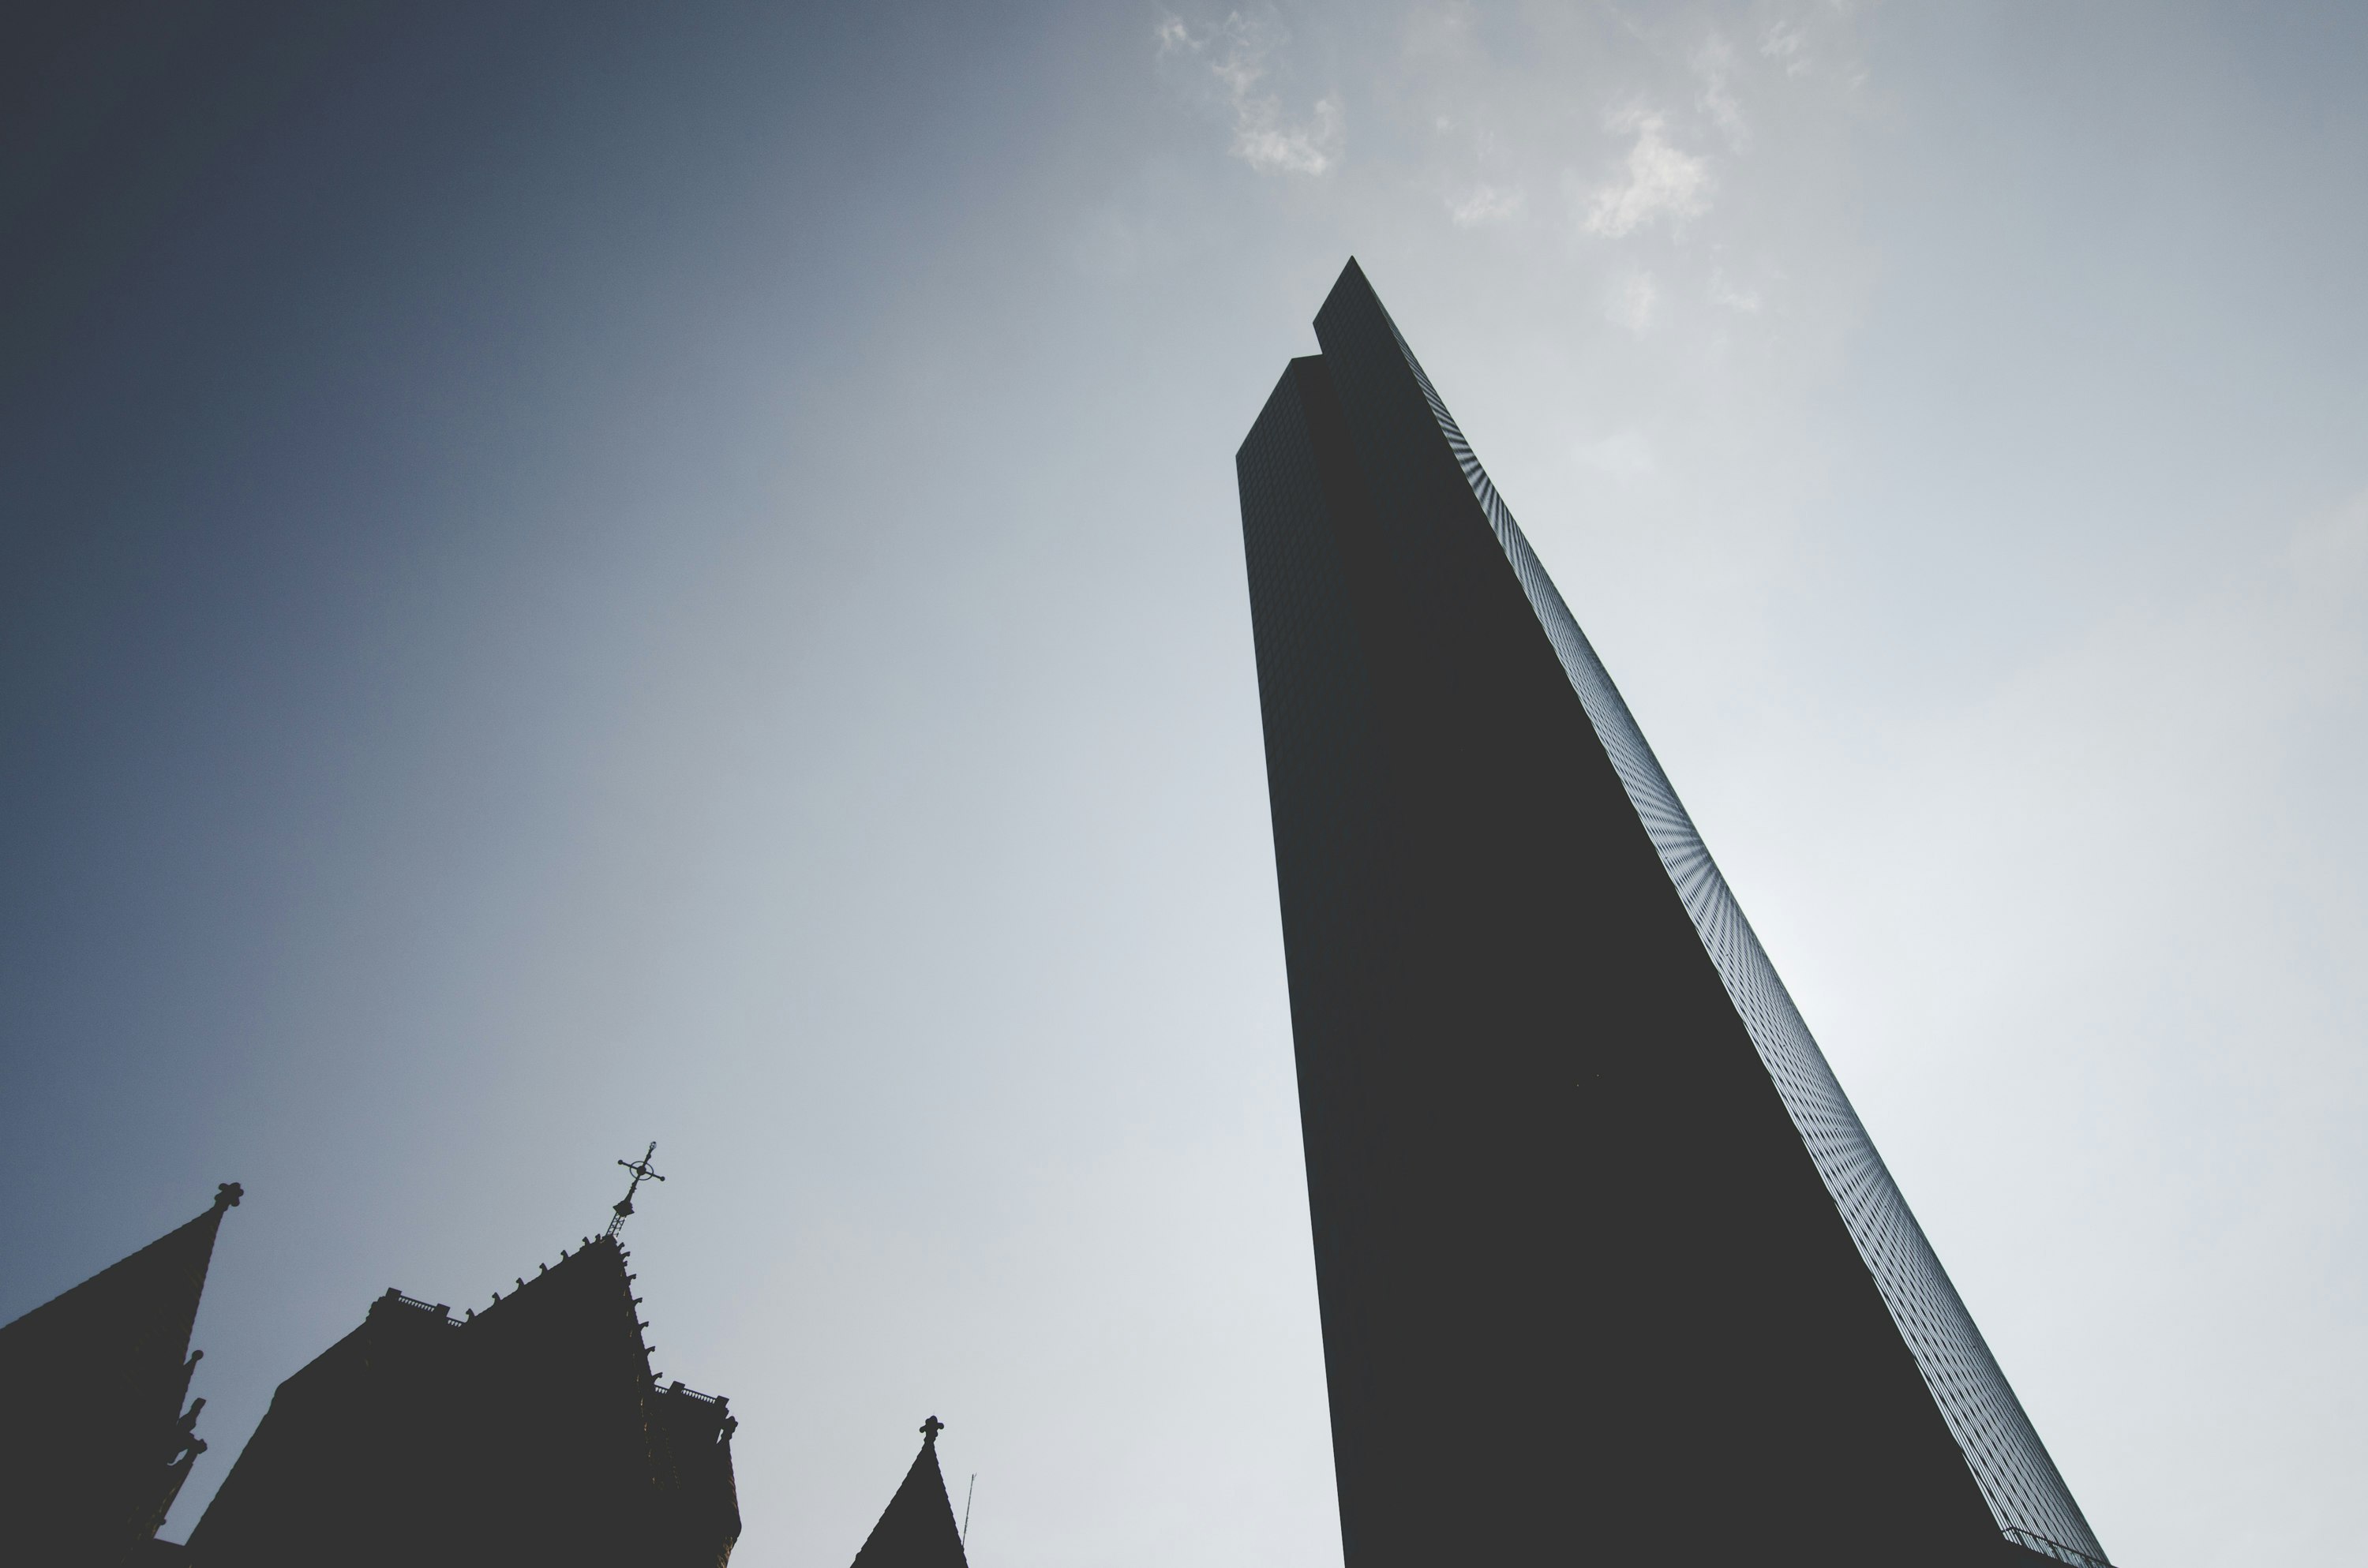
(98, 1444)
(918, 1529)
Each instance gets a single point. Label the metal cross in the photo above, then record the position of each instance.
(641, 1168)
(931, 1429)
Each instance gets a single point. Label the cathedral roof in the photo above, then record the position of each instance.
(529, 1429)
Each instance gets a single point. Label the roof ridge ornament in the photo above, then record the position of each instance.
(624, 1208)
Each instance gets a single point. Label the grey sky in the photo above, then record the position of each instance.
(573, 575)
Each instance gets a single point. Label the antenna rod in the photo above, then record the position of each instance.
(967, 1495)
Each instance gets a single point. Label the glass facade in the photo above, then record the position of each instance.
(1462, 900)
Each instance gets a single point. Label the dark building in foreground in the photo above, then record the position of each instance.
(531, 1432)
(93, 1444)
(1608, 1266)
(918, 1529)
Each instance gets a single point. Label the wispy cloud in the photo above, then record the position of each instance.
(1659, 181)
(1725, 291)
(1235, 54)
(1635, 302)
(1269, 146)
(1787, 42)
(1714, 64)
(1485, 204)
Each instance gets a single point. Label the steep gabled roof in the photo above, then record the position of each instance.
(105, 1336)
(917, 1531)
(96, 1376)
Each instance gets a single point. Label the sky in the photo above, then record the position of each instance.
(576, 574)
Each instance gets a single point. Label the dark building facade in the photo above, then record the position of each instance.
(918, 1529)
(1608, 1266)
(531, 1432)
(95, 1445)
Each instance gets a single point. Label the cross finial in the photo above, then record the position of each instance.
(227, 1194)
(930, 1430)
(642, 1170)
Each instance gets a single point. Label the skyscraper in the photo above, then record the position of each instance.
(1607, 1264)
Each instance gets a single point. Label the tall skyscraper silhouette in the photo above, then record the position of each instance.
(1607, 1263)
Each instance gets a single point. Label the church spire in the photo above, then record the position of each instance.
(98, 1444)
(918, 1529)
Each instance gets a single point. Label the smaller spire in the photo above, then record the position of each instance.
(642, 1170)
(918, 1529)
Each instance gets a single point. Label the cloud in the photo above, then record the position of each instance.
(1269, 146)
(1235, 55)
(1714, 64)
(1787, 41)
(1733, 296)
(1660, 182)
(1485, 204)
(1633, 302)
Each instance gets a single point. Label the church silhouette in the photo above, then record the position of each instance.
(529, 1431)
